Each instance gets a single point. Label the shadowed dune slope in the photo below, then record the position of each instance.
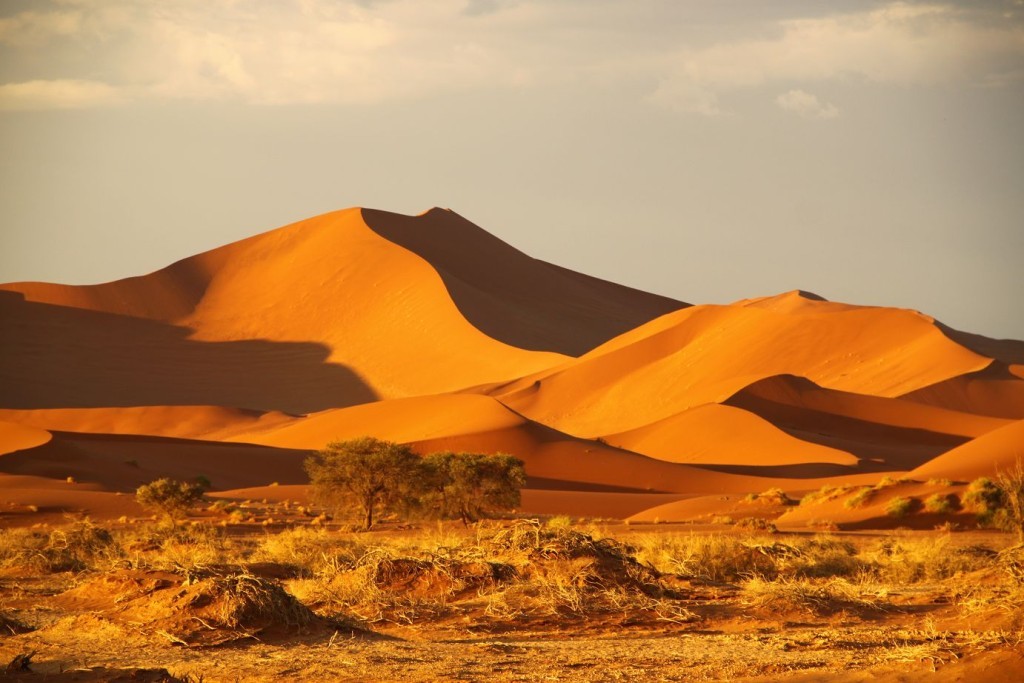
(116, 462)
(350, 314)
(982, 457)
(512, 297)
(718, 434)
(996, 391)
(188, 422)
(705, 354)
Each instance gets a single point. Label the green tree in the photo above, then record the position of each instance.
(365, 473)
(170, 497)
(469, 485)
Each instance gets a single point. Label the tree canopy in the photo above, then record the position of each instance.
(367, 473)
(375, 477)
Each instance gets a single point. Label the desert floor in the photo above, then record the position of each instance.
(509, 600)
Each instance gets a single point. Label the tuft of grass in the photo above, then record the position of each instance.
(860, 498)
(942, 503)
(824, 494)
(945, 483)
(900, 506)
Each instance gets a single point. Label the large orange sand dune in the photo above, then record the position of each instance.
(239, 361)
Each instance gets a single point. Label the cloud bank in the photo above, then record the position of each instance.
(87, 53)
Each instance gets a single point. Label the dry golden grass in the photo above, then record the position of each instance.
(193, 585)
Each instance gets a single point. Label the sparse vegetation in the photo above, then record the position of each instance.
(942, 503)
(198, 586)
(367, 474)
(465, 486)
(900, 506)
(985, 499)
(1011, 484)
(860, 498)
(170, 498)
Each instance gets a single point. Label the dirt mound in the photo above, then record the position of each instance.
(196, 610)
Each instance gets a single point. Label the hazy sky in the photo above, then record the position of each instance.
(871, 152)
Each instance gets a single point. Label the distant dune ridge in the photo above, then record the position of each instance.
(236, 362)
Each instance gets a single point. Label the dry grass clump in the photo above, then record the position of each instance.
(900, 506)
(77, 547)
(942, 503)
(177, 548)
(773, 496)
(904, 560)
(310, 551)
(860, 498)
(710, 557)
(757, 524)
(824, 494)
(801, 595)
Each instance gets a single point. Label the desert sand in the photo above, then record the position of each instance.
(235, 363)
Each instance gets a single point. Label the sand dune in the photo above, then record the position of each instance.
(996, 390)
(17, 437)
(981, 457)
(189, 422)
(723, 435)
(704, 354)
(234, 364)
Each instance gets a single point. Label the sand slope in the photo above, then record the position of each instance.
(705, 354)
(239, 361)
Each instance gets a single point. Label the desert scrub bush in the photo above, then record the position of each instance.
(79, 546)
(711, 557)
(177, 548)
(900, 506)
(824, 494)
(1011, 484)
(757, 524)
(907, 560)
(945, 483)
(825, 557)
(860, 498)
(559, 522)
(170, 498)
(774, 496)
(311, 551)
(942, 503)
(800, 595)
(985, 499)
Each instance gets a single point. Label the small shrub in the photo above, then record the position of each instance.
(945, 483)
(859, 499)
(984, 499)
(1011, 484)
(169, 497)
(899, 506)
(757, 524)
(559, 522)
(942, 503)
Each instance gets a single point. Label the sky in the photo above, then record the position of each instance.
(870, 152)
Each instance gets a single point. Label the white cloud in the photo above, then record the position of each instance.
(356, 51)
(56, 94)
(898, 44)
(806, 105)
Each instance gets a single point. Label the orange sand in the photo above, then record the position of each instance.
(238, 362)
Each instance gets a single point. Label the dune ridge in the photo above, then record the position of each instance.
(236, 363)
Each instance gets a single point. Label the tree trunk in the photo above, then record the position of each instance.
(368, 506)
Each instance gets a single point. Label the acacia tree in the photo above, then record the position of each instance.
(468, 485)
(367, 473)
(169, 497)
